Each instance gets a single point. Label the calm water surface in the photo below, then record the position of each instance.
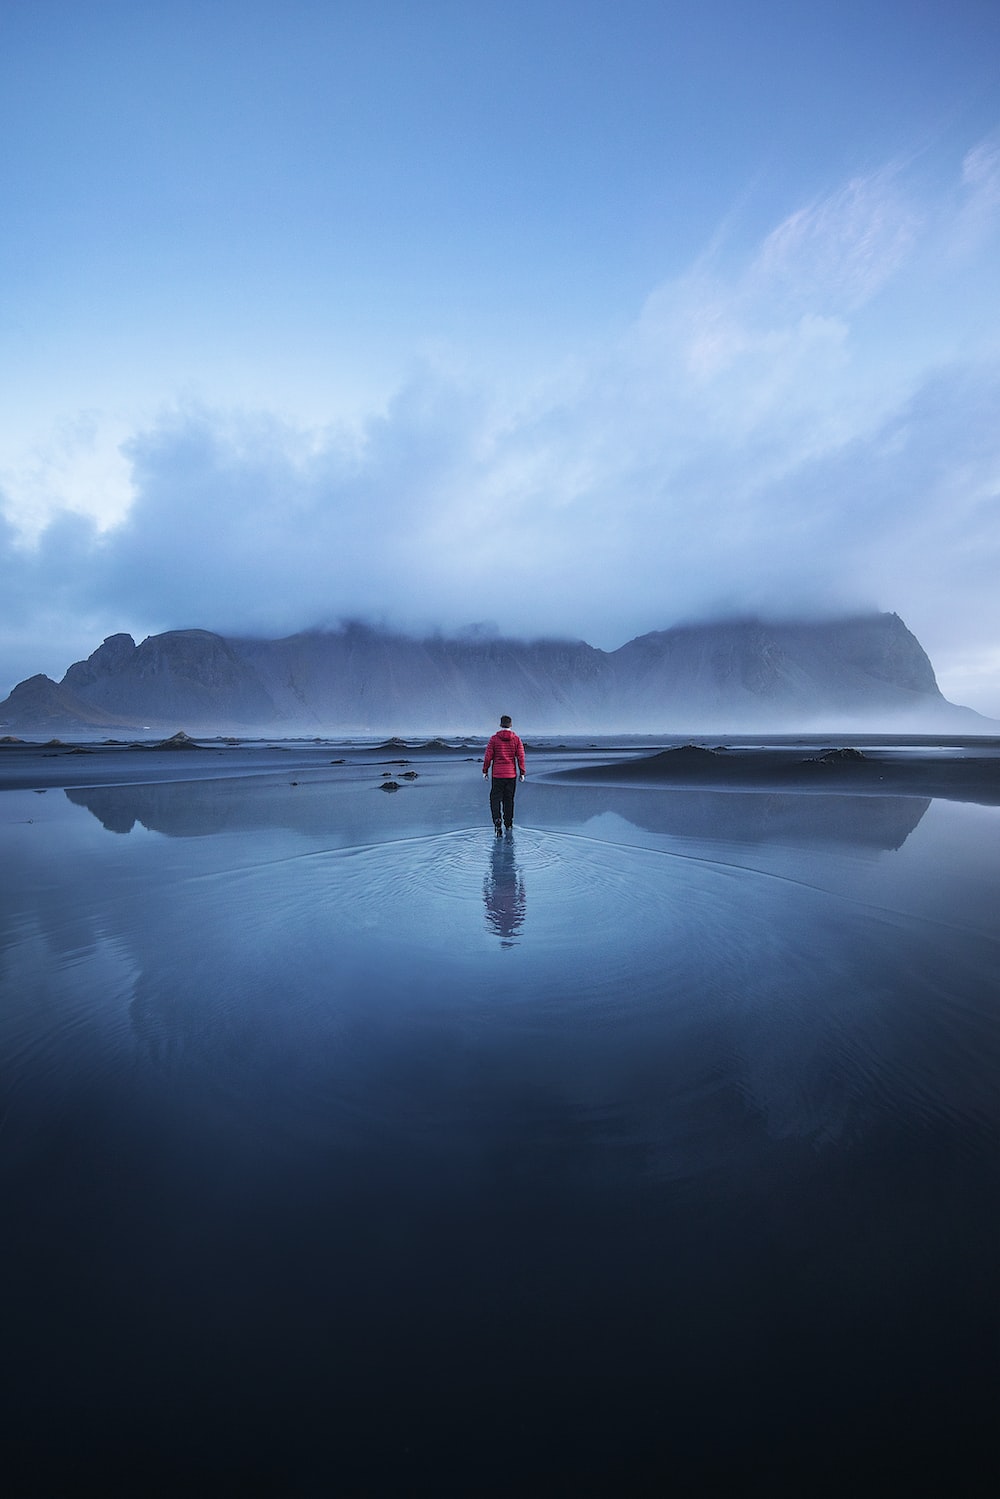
(348, 1150)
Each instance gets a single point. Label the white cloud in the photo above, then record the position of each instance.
(976, 220)
(837, 253)
(77, 467)
(981, 172)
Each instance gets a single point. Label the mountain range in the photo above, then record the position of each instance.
(862, 671)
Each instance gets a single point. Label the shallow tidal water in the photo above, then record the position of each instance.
(347, 1149)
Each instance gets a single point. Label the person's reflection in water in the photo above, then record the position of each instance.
(503, 893)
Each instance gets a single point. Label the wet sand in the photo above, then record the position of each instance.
(347, 1149)
(958, 769)
(27, 766)
(967, 770)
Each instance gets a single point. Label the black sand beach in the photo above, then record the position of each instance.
(347, 1149)
(960, 768)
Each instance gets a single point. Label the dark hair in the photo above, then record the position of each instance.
(505, 720)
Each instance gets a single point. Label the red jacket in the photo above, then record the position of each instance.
(506, 754)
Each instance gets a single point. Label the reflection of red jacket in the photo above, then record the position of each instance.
(506, 753)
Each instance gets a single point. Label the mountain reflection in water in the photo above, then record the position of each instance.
(201, 808)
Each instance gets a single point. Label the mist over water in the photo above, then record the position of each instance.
(349, 1149)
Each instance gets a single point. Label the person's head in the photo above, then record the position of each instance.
(505, 720)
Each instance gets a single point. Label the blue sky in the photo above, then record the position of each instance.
(580, 318)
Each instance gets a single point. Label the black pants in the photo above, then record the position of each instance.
(502, 798)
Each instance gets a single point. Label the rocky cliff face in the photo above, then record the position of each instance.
(868, 670)
(40, 706)
(741, 669)
(183, 674)
(365, 679)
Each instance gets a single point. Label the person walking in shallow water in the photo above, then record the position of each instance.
(505, 753)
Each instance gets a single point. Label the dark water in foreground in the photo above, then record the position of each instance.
(348, 1151)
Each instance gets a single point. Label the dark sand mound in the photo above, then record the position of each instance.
(178, 741)
(846, 756)
(427, 746)
(958, 775)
